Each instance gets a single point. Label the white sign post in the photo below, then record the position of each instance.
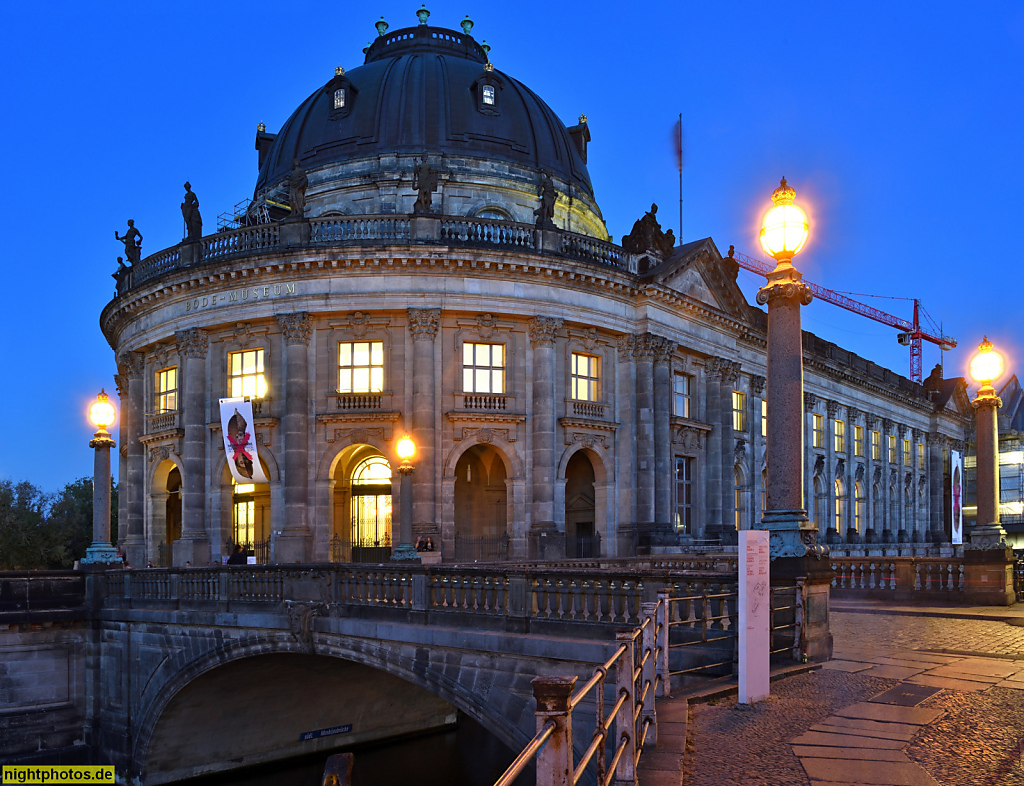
(755, 592)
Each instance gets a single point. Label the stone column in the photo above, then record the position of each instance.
(810, 404)
(890, 526)
(831, 411)
(664, 349)
(544, 539)
(729, 376)
(936, 486)
(625, 451)
(871, 527)
(757, 485)
(713, 369)
(853, 473)
(643, 354)
(292, 543)
(423, 326)
(794, 543)
(194, 544)
(903, 533)
(132, 526)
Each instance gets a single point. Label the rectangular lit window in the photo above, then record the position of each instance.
(739, 419)
(585, 377)
(167, 390)
(920, 455)
(764, 418)
(489, 95)
(245, 374)
(840, 436)
(891, 439)
(361, 367)
(876, 446)
(906, 452)
(858, 440)
(818, 431)
(339, 98)
(483, 368)
(681, 389)
(684, 495)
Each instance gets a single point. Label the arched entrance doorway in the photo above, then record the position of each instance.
(481, 505)
(164, 511)
(582, 541)
(362, 506)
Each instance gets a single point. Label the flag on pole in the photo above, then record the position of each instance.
(238, 427)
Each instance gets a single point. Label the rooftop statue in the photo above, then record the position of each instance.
(297, 184)
(190, 212)
(425, 182)
(647, 236)
(546, 212)
(132, 240)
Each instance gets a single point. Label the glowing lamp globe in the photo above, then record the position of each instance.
(987, 365)
(101, 413)
(784, 229)
(406, 448)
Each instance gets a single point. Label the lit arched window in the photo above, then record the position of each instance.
(339, 98)
(372, 471)
(820, 506)
(764, 489)
(739, 496)
(840, 506)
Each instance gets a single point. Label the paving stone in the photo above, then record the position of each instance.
(908, 663)
(887, 712)
(950, 683)
(846, 665)
(1011, 684)
(847, 740)
(895, 672)
(880, 772)
(956, 673)
(883, 731)
(861, 754)
(991, 668)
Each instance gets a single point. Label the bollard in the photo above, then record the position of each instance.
(554, 759)
(625, 725)
(665, 685)
(648, 713)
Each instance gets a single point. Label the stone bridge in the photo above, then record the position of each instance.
(177, 672)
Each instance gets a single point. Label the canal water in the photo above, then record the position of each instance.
(466, 756)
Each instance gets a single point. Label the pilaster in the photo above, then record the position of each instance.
(194, 544)
(423, 326)
(131, 366)
(545, 541)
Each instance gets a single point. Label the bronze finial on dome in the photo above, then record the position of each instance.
(784, 194)
(381, 25)
(583, 120)
(261, 127)
(423, 14)
(466, 25)
(488, 66)
(486, 47)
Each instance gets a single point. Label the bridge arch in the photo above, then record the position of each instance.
(418, 666)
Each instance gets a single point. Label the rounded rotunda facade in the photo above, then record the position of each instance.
(424, 256)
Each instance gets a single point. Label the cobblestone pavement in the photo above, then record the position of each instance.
(977, 741)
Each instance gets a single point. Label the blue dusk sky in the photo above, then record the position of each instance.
(899, 125)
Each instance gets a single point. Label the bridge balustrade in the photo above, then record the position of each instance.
(900, 578)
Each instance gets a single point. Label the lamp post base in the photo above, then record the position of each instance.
(792, 534)
(987, 536)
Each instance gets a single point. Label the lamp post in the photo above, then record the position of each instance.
(986, 367)
(783, 234)
(405, 550)
(101, 553)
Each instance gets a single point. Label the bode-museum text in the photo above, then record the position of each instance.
(238, 295)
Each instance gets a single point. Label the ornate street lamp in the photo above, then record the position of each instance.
(101, 553)
(986, 367)
(406, 449)
(783, 234)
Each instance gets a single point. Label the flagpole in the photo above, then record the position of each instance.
(679, 158)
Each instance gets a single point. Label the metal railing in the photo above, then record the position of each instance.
(488, 548)
(631, 723)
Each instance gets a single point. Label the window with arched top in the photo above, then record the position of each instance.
(820, 502)
(372, 471)
(487, 95)
(764, 489)
(339, 98)
(859, 507)
(840, 500)
(739, 496)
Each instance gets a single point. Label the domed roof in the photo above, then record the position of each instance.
(421, 90)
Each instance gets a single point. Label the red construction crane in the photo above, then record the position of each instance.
(911, 334)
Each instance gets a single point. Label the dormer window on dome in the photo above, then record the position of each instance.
(487, 89)
(342, 93)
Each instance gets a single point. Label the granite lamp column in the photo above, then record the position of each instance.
(404, 550)
(101, 554)
(986, 367)
(783, 235)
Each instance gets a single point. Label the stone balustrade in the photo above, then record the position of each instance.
(333, 231)
(901, 578)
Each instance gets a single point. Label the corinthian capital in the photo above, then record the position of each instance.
(130, 364)
(647, 346)
(192, 342)
(296, 328)
(423, 322)
(723, 369)
(543, 329)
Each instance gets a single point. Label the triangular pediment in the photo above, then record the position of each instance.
(698, 271)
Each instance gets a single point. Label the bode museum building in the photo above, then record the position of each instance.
(425, 256)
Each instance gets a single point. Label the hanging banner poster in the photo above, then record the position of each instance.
(239, 429)
(956, 475)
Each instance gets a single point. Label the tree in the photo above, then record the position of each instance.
(22, 531)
